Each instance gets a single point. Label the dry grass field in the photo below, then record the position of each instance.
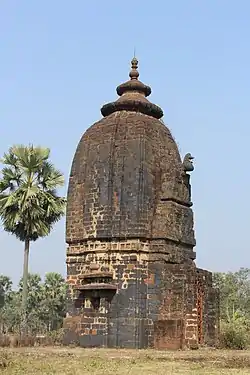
(65, 361)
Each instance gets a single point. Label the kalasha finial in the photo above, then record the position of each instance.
(133, 94)
(134, 74)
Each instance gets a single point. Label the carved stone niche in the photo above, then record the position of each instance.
(97, 286)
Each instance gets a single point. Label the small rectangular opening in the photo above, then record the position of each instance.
(95, 302)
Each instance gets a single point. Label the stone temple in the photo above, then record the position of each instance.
(131, 271)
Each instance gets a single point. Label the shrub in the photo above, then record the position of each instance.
(234, 335)
(56, 337)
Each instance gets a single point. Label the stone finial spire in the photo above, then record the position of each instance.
(133, 96)
(134, 74)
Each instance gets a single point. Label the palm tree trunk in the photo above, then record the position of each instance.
(25, 287)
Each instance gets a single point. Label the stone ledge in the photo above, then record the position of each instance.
(96, 286)
(96, 274)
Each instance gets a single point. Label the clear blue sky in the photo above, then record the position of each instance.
(60, 61)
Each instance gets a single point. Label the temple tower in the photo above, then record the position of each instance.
(131, 273)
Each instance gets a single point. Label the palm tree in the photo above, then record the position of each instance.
(29, 204)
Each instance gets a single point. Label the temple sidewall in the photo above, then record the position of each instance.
(155, 305)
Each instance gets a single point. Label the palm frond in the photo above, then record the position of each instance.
(11, 178)
(50, 177)
(30, 157)
(9, 158)
(29, 205)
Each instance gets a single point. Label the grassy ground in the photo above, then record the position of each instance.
(62, 361)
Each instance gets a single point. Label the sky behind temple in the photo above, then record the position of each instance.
(60, 61)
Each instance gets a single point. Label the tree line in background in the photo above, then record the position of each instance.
(46, 304)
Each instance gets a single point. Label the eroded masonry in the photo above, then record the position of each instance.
(131, 267)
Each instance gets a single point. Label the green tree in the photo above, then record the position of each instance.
(5, 288)
(34, 299)
(234, 290)
(11, 313)
(29, 203)
(5, 291)
(53, 305)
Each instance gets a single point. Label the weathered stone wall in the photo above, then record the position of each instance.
(155, 304)
(121, 318)
(126, 177)
(208, 298)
